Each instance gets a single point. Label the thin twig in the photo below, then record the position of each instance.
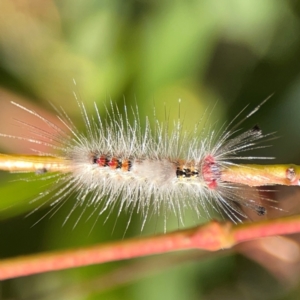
(33, 163)
(211, 236)
(259, 175)
(247, 174)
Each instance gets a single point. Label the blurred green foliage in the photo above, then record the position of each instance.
(205, 52)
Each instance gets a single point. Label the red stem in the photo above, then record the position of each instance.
(211, 236)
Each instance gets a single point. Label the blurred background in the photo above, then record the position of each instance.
(213, 55)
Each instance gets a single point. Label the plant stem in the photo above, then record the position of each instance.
(248, 174)
(259, 175)
(32, 163)
(211, 236)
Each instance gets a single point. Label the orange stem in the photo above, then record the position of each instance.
(259, 175)
(251, 175)
(32, 163)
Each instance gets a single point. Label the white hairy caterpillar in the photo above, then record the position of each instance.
(116, 163)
